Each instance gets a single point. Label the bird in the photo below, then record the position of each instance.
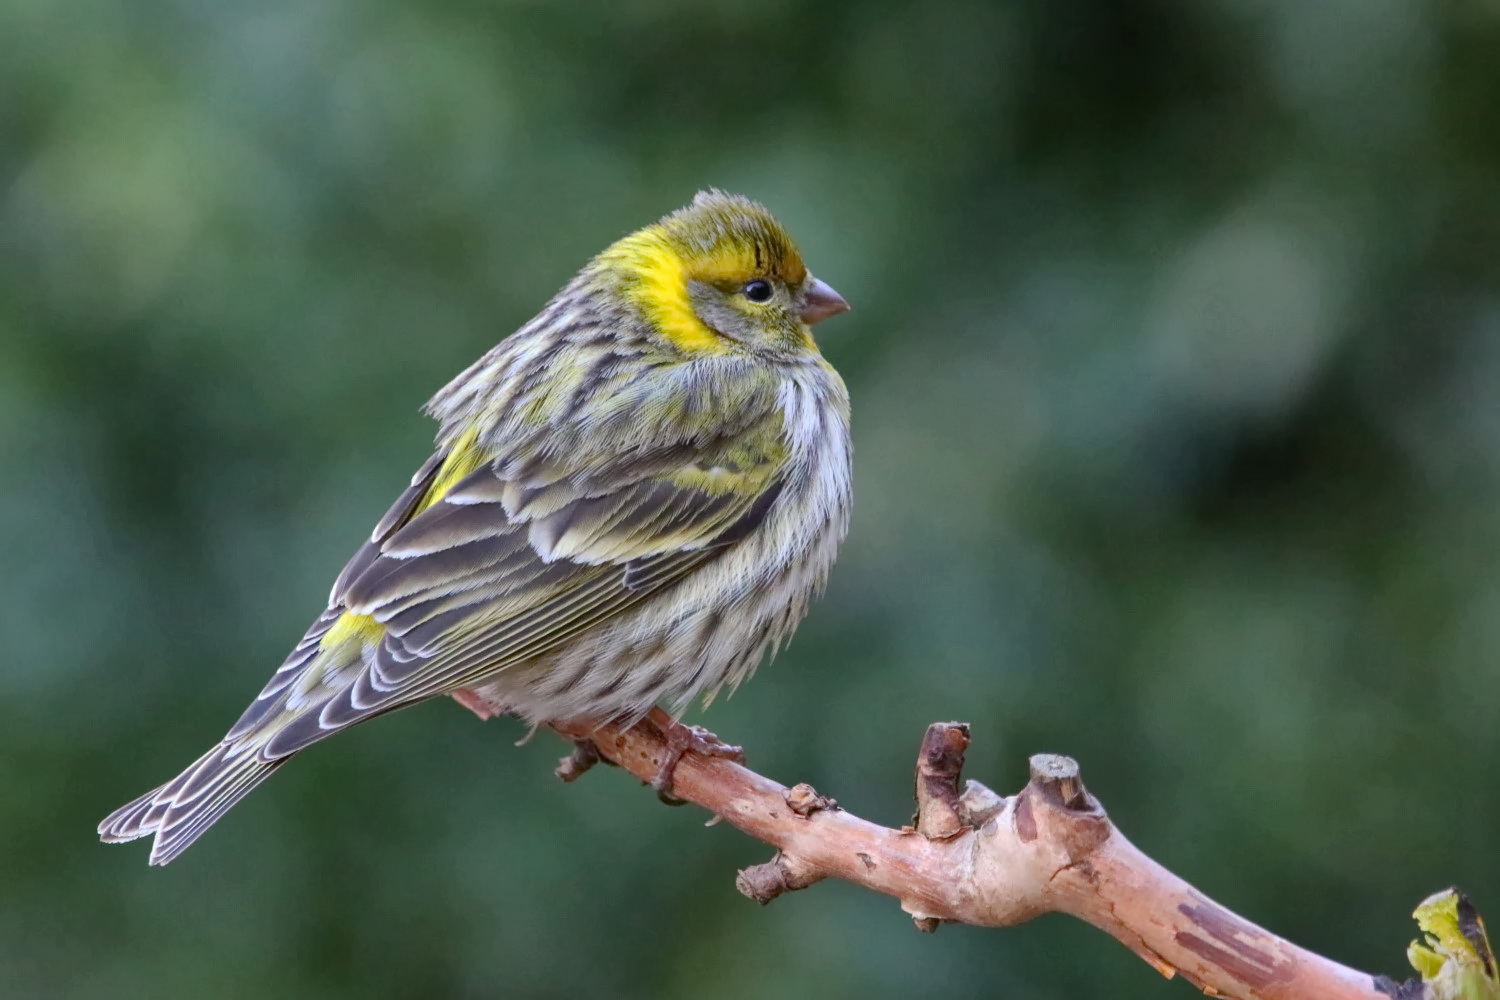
(633, 499)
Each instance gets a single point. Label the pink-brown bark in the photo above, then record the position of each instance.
(987, 861)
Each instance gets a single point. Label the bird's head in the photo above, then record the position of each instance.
(721, 276)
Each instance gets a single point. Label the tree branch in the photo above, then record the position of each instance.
(985, 860)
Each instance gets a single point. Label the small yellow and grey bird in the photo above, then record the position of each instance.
(632, 500)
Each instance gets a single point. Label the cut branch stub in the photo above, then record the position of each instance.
(1059, 777)
(939, 765)
(1055, 806)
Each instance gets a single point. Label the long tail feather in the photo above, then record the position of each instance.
(179, 812)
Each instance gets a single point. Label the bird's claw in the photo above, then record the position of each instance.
(584, 756)
(684, 739)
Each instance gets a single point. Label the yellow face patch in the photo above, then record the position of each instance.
(720, 240)
(660, 289)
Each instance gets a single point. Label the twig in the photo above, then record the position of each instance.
(981, 859)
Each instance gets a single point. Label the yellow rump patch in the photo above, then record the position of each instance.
(349, 628)
(464, 457)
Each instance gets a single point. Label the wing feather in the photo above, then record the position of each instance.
(506, 545)
(517, 558)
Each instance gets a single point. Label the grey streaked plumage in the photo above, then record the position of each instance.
(626, 506)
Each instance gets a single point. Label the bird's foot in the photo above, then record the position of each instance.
(684, 739)
(584, 756)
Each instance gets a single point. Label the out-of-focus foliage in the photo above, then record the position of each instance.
(1176, 369)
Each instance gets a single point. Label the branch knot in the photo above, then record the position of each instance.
(783, 873)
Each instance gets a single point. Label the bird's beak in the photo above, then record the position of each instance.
(820, 301)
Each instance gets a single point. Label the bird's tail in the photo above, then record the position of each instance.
(179, 811)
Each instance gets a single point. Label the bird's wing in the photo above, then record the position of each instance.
(512, 559)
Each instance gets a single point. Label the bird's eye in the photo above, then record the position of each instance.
(758, 290)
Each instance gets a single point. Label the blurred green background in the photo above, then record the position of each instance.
(1174, 360)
